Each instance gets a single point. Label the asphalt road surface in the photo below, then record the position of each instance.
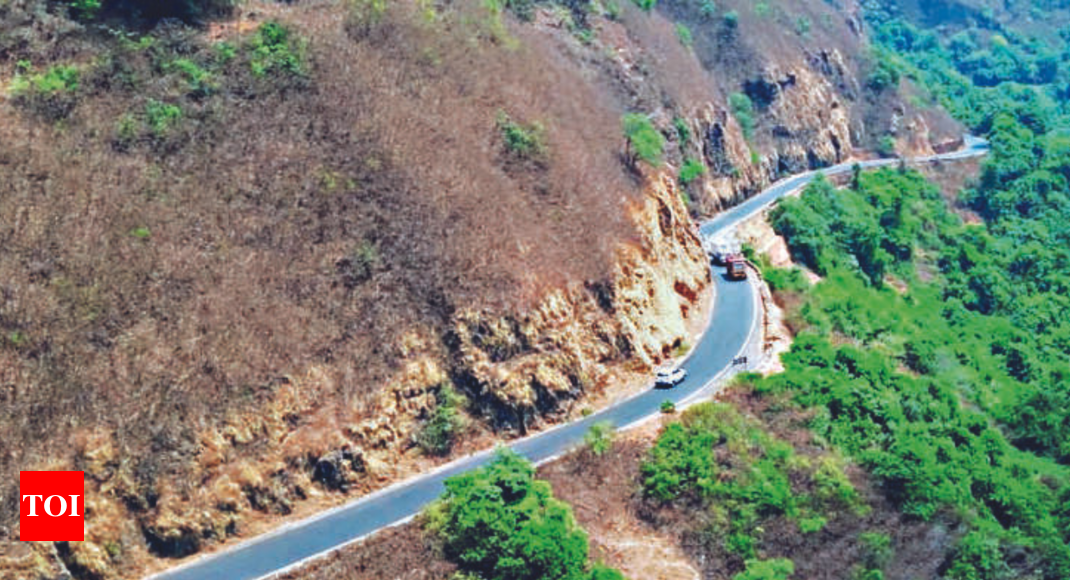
(735, 314)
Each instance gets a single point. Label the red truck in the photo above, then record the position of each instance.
(737, 267)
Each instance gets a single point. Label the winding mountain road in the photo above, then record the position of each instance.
(735, 317)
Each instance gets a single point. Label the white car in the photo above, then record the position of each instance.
(668, 377)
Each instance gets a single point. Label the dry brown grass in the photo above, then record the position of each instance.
(401, 553)
(254, 204)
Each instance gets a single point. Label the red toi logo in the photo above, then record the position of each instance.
(51, 506)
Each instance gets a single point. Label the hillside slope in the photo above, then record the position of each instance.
(248, 261)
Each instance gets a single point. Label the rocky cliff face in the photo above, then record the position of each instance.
(519, 370)
(805, 71)
(810, 125)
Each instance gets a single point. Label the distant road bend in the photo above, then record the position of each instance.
(735, 315)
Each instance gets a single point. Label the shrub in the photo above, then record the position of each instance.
(668, 407)
(446, 423)
(978, 557)
(731, 20)
(707, 8)
(684, 34)
(224, 52)
(683, 132)
(113, 549)
(645, 140)
(141, 233)
(812, 525)
(162, 117)
(84, 9)
(274, 50)
(646, 5)
(743, 110)
(57, 79)
(612, 9)
(127, 130)
(524, 141)
(681, 349)
(877, 550)
(500, 523)
(691, 170)
(775, 569)
(886, 146)
(199, 81)
(599, 438)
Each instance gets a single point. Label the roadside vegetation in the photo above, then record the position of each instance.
(744, 477)
(916, 353)
(936, 351)
(446, 423)
(500, 523)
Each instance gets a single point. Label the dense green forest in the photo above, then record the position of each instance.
(936, 349)
(918, 377)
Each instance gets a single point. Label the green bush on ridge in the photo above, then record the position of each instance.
(646, 141)
(501, 523)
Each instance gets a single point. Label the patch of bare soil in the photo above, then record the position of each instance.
(605, 494)
(953, 178)
(401, 553)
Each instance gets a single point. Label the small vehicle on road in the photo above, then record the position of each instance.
(722, 251)
(667, 378)
(737, 267)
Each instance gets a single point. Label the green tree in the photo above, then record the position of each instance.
(646, 141)
(501, 523)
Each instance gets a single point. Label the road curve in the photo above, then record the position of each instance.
(735, 315)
